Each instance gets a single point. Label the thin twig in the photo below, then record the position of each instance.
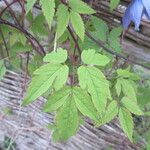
(12, 13)
(1, 13)
(30, 38)
(101, 44)
(2, 35)
(27, 34)
(74, 39)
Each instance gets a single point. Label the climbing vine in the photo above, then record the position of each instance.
(74, 59)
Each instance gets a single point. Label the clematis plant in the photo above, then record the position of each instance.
(134, 13)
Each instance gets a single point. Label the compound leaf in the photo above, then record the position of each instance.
(44, 77)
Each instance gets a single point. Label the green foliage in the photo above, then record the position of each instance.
(51, 74)
(30, 4)
(2, 69)
(125, 84)
(48, 8)
(78, 24)
(78, 82)
(102, 33)
(114, 4)
(126, 122)
(16, 37)
(101, 29)
(118, 87)
(110, 113)
(96, 84)
(90, 57)
(57, 99)
(92, 98)
(128, 89)
(7, 143)
(132, 106)
(19, 48)
(38, 26)
(84, 104)
(67, 121)
(67, 102)
(125, 90)
(92, 79)
(113, 38)
(80, 7)
(143, 96)
(56, 57)
(62, 19)
(64, 14)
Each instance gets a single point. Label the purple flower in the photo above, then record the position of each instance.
(135, 11)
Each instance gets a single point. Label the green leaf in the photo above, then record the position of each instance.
(2, 69)
(114, 4)
(88, 44)
(118, 87)
(127, 74)
(29, 5)
(147, 113)
(84, 103)
(19, 48)
(132, 106)
(111, 112)
(81, 7)
(58, 73)
(62, 19)
(81, 98)
(15, 61)
(67, 121)
(17, 37)
(48, 9)
(126, 122)
(128, 89)
(57, 99)
(115, 45)
(143, 96)
(46, 76)
(68, 100)
(94, 81)
(60, 56)
(77, 24)
(91, 57)
(148, 146)
(35, 63)
(101, 29)
(115, 33)
(38, 26)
